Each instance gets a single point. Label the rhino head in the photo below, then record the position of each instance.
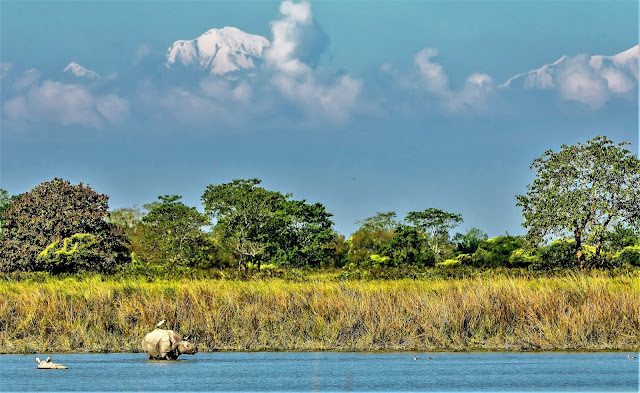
(186, 347)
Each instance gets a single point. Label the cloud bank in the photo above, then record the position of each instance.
(227, 78)
(54, 102)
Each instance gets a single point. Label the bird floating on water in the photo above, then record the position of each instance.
(415, 358)
(630, 357)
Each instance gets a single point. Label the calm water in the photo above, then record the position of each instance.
(322, 372)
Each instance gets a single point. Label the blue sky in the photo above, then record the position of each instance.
(364, 106)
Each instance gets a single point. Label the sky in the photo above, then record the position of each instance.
(363, 106)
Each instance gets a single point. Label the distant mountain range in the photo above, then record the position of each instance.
(78, 70)
(544, 77)
(219, 51)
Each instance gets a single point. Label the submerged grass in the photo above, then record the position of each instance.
(96, 314)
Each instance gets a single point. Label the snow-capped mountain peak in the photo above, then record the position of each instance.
(545, 77)
(78, 70)
(219, 50)
(627, 59)
(542, 77)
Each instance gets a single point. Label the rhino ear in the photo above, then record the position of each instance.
(38, 360)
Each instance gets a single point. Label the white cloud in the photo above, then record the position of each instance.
(433, 74)
(63, 104)
(226, 90)
(433, 79)
(142, 51)
(319, 95)
(113, 108)
(4, 69)
(577, 81)
(26, 79)
(281, 53)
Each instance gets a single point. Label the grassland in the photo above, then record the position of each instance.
(594, 311)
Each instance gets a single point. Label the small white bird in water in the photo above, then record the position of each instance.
(630, 357)
(415, 358)
(161, 323)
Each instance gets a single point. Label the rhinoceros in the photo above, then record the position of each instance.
(48, 365)
(165, 344)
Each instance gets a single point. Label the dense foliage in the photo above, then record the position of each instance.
(55, 212)
(582, 212)
(584, 190)
(171, 233)
(261, 225)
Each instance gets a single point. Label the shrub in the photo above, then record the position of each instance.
(495, 252)
(629, 255)
(522, 258)
(560, 254)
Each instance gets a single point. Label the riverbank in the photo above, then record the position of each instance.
(591, 312)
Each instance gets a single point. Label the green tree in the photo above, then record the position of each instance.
(584, 190)
(171, 233)
(436, 224)
(298, 234)
(408, 247)
(495, 252)
(372, 237)
(5, 202)
(468, 243)
(54, 211)
(260, 224)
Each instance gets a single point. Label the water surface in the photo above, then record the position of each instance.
(326, 372)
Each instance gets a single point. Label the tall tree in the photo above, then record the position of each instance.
(243, 210)
(436, 224)
(372, 237)
(261, 224)
(171, 233)
(54, 211)
(468, 243)
(584, 189)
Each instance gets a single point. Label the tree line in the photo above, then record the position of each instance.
(582, 211)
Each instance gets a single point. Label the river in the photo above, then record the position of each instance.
(326, 372)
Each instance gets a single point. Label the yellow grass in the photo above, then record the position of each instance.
(573, 312)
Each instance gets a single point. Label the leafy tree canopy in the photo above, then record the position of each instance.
(171, 233)
(468, 243)
(51, 212)
(261, 224)
(583, 189)
(436, 224)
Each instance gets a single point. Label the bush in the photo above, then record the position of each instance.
(560, 254)
(496, 252)
(459, 260)
(629, 255)
(522, 258)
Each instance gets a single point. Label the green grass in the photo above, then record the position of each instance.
(487, 311)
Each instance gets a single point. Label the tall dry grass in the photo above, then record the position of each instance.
(573, 312)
